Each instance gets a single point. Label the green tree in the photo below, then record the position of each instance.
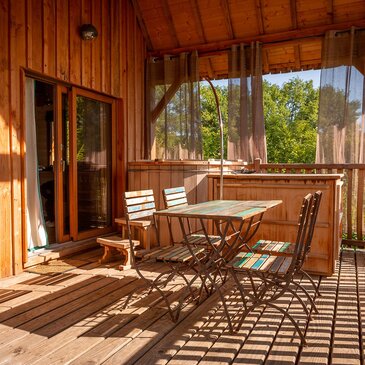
(209, 119)
(291, 113)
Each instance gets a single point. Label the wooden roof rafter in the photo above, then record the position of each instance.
(330, 11)
(263, 38)
(142, 24)
(260, 19)
(227, 18)
(198, 20)
(293, 14)
(170, 22)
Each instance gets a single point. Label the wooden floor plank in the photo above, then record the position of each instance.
(256, 348)
(345, 346)
(68, 318)
(286, 345)
(115, 321)
(360, 266)
(320, 328)
(166, 348)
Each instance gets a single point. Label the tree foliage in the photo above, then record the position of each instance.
(210, 123)
(291, 113)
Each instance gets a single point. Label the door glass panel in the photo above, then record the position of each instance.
(65, 148)
(45, 130)
(94, 166)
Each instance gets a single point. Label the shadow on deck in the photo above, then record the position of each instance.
(74, 314)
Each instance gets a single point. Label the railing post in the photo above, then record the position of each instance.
(257, 164)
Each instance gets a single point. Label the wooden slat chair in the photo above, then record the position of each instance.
(174, 197)
(287, 249)
(140, 205)
(270, 276)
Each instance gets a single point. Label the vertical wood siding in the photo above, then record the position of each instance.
(43, 36)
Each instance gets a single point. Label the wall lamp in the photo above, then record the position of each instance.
(88, 32)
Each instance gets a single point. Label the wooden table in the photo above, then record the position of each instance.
(236, 222)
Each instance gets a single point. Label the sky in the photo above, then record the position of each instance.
(279, 79)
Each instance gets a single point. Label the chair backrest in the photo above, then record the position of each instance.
(139, 204)
(311, 224)
(303, 230)
(174, 197)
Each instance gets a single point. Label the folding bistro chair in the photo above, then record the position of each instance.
(278, 248)
(140, 205)
(175, 197)
(270, 276)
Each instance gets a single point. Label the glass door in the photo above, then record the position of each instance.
(92, 164)
(62, 164)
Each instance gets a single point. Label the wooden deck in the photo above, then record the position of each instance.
(77, 317)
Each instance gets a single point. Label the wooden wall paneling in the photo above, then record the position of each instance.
(131, 62)
(360, 204)
(86, 56)
(37, 33)
(17, 59)
(201, 184)
(124, 78)
(121, 163)
(75, 42)
(96, 46)
(139, 68)
(5, 148)
(190, 183)
(28, 12)
(105, 46)
(62, 40)
(49, 41)
(115, 12)
(165, 182)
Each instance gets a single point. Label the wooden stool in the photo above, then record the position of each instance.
(143, 228)
(116, 243)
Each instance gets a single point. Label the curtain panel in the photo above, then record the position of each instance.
(341, 123)
(173, 107)
(246, 128)
(36, 228)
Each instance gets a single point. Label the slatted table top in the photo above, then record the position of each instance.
(221, 209)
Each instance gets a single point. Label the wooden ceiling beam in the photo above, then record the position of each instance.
(293, 14)
(330, 11)
(227, 18)
(198, 20)
(170, 23)
(260, 19)
(264, 38)
(142, 25)
(297, 56)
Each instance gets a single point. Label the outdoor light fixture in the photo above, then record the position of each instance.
(88, 32)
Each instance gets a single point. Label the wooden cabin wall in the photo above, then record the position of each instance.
(42, 36)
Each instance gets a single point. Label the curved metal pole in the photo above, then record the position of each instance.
(221, 135)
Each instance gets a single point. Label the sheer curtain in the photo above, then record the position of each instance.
(246, 128)
(173, 113)
(341, 123)
(36, 230)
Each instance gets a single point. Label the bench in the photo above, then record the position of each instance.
(141, 226)
(116, 243)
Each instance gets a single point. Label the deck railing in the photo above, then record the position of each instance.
(353, 192)
(192, 174)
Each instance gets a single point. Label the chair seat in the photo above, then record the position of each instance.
(177, 253)
(261, 262)
(200, 240)
(277, 248)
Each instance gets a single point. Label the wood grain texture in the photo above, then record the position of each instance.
(78, 317)
(43, 37)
